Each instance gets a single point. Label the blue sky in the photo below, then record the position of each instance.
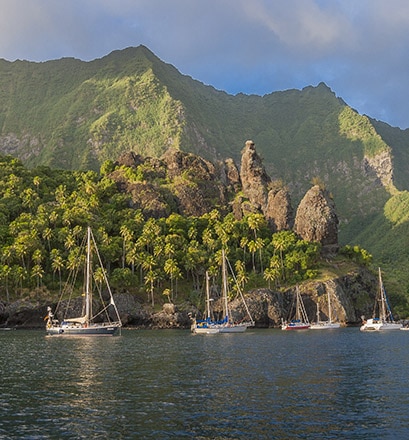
(359, 48)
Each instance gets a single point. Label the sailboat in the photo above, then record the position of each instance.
(207, 325)
(325, 325)
(385, 320)
(87, 324)
(227, 324)
(300, 320)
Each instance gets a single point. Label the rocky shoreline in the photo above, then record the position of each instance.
(351, 295)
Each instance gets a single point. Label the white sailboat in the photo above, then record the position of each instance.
(325, 325)
(227, 324)
(300, 320)
(384, 320)
(207, 325)
(87, 324)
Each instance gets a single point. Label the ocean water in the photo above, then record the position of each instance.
(171, 384)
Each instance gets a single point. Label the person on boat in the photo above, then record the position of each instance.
(49, 317)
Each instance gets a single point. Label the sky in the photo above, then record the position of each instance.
(359, 48)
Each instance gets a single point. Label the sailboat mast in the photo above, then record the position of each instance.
(329, 307)
(87, 281)
(224, 276)
(382, 310)
(298, 306)
(207, 296)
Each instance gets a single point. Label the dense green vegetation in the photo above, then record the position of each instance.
(45, 213)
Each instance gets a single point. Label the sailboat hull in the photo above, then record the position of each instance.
(233, 328)
(205, 331)
(220, 328)
(93, 330)
(325, 325)
(376, 325)
(295, 327)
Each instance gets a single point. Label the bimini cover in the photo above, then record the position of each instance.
(80, 320)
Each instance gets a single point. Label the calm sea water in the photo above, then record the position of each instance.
(262, 384)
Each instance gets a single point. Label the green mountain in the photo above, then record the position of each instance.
(72, 114)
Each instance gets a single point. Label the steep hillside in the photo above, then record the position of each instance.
(72, 114)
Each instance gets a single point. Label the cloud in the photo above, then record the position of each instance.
(359, 48)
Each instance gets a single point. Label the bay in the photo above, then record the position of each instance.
(170, 384)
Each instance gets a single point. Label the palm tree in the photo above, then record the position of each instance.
(37, 272)
(127, 237)
(132, 256)
(148, 263)
(172, 269)
(57, 263)
(241, 274)
(150, 278)
(281, 241)
(256, 222)
(271, 274)
(5, 271)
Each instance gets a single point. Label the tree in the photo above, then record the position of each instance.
(148, 263)
(127, 237)
(172, 270)
(281, 241)
(256, 222)
(5, 271)
(271, 274)
(241, 274)
(37, 272)
(57, 264)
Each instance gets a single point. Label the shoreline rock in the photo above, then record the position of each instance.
(352, 295)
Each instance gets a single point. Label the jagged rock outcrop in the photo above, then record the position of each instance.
(259, 193)
(254, 178)
(193, 184)
(316, 219)
(178, 163)
(279, 212)
(130, 159)
(232, 175)
(380, 164)
(149, 199)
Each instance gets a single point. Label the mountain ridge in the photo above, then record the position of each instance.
(74, 114)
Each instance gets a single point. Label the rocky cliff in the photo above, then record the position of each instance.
(192, 186)
(316, 219)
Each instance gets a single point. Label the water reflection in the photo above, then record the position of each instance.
(262, 384)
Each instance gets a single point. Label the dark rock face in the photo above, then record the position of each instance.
(254, 178)
(274, 203)
(316, 219)
(232, 175)
(130, 159)
(265, 307)
(178, 162)
(196, 185)
(149, 199)
(279, 211)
